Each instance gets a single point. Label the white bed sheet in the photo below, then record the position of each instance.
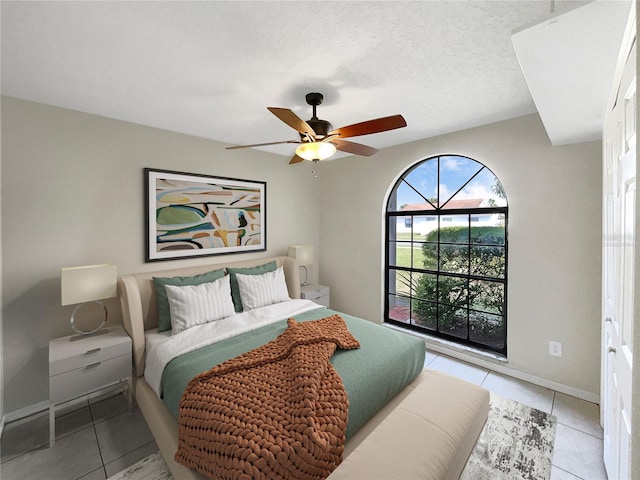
(153, 337)
(163, 347)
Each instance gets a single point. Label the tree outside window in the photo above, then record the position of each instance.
(447, 252)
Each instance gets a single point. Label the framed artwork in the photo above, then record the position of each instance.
(192, 215)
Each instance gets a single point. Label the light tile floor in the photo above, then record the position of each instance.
(578, 447)
(98, 438)
(94, 440)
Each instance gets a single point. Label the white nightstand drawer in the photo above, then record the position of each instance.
(323, 300)
(312, 292)
(89, 357)
(78, 382)
(66, 355)
(315, 293)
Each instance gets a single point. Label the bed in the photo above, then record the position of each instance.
(376, 376)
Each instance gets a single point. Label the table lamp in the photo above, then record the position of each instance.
(88, 284)
(304, 256)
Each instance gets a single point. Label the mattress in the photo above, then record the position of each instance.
(385, 363)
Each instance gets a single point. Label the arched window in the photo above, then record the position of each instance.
(446, 252)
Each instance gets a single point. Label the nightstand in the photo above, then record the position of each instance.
(316, 293)
(86, 365)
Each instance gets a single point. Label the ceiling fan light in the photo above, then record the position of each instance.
(316, 150)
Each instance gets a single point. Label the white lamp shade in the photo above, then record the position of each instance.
(302, 253)
(88, 283)
(316, 150)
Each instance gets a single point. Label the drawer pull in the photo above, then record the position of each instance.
(93, 365)
(93, 350)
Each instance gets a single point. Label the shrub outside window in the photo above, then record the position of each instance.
(446, 253)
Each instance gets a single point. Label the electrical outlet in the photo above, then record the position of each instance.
(555, 349)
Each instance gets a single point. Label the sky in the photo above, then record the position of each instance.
(455, 171)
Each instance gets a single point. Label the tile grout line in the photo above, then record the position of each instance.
(486, 375)
(46, 443)
(128, 453)
(553, 406)
(578, 430)
(95, 432)
(568, 472)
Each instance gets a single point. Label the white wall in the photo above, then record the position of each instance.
(72, 194)
(554, 196)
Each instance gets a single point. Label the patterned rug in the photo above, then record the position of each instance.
(149, 468)
(519, 446)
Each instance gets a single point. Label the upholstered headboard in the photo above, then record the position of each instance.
(139, 306)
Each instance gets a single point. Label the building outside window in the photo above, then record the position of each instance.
(447, 253)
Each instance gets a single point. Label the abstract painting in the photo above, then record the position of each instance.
(192, 215)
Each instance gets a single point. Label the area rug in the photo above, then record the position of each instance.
(519, 446)
(149, 468)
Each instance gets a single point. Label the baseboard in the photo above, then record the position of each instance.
(25, 412)
(70, 405)
(512, 372)
(499, 365)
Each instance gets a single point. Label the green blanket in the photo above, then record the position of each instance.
(385, 363)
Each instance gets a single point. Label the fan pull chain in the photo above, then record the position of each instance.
(313, 169)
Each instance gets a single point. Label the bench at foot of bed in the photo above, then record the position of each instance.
(428, 434)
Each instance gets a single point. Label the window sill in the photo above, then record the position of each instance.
(462, 352)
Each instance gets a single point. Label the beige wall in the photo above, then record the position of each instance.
(72, 194)
(554, 196)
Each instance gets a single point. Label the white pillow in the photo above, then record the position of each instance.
(260, 290)
(192, 305)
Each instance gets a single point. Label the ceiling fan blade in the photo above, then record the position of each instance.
(261, 144)
(371, 126)
(352, 147)
(293, 120)
(296, 159)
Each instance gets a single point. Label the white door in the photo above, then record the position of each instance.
(619, 213)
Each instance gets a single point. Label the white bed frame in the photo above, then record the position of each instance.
(140, 313)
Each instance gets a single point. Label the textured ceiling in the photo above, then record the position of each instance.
(559, 54)
(210, 69)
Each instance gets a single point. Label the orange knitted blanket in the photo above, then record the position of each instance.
(276, 412)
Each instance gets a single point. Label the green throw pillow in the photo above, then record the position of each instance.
(235, 289)
(164, 315)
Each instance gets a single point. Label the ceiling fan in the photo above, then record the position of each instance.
(318, 140)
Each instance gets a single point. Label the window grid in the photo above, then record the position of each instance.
(464, 312)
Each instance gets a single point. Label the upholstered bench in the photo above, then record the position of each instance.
(428, 434)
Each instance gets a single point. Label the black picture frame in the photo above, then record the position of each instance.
(194, 215)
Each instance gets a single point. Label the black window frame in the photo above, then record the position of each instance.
(439, 212)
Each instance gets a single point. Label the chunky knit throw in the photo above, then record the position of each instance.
(276, 412)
